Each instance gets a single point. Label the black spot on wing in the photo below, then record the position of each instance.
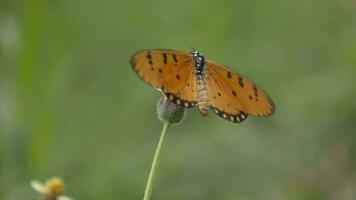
(177, 77)
(229, 75)
(149, 57)
(234, 93)
(174, 58)
(255, 90)
(235, 118)
(241, 82)
(164, 58)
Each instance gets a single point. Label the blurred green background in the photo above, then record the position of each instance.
(71, 106)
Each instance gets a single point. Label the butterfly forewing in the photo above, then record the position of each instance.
(168, 70)
(237, 93)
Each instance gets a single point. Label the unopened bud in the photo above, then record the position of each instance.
(168, 111)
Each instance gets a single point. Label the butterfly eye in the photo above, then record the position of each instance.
(195, 52)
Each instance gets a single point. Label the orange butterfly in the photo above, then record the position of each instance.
(188, 79)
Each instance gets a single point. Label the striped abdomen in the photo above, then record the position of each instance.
(202, 98)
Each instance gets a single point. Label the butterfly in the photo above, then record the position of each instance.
(188, 79)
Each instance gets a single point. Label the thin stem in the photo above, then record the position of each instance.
(152, 175)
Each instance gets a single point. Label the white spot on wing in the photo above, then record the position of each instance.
(237, 119)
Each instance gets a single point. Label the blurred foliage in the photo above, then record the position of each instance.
(71, 106)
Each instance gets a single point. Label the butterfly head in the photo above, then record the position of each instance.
(196, 53)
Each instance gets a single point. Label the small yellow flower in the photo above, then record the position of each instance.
(55, 186)
(53, 189)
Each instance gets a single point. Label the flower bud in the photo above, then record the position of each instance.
(168, 111)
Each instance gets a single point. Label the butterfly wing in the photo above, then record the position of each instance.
(168, 70)
(233, 96)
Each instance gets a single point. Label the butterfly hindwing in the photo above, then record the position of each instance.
(168, 70)
(221, 101)
(238, 95)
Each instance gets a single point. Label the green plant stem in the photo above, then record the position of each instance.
(152, 175)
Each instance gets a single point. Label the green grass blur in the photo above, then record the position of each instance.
(71, 106)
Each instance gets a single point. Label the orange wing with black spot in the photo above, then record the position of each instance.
(168, 70)
(233, 96)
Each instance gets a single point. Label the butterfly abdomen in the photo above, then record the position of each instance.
(202, 95)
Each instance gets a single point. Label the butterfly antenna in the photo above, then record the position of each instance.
(193, 49)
